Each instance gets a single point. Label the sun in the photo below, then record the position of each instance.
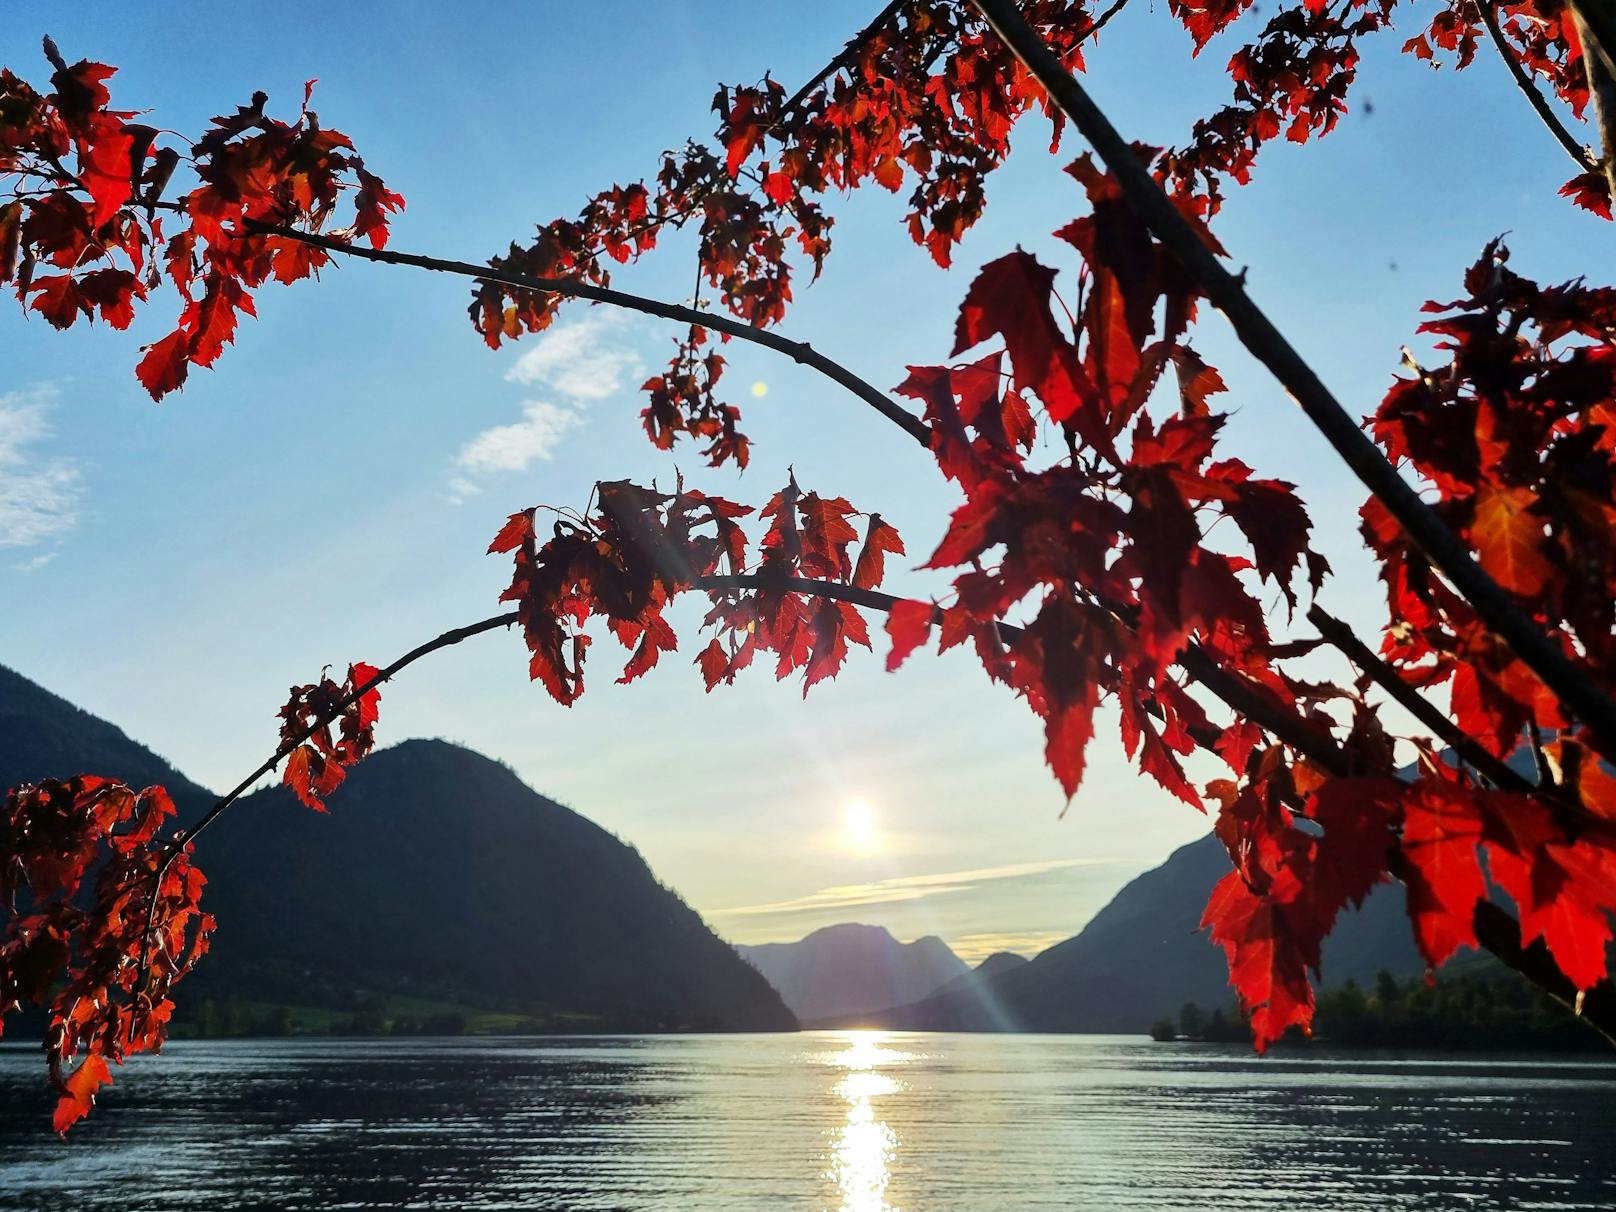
(858, 822)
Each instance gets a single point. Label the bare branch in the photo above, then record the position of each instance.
(1383, 675)
(847, 55)
(1596, 30)
(186, 837)
(1585, 159)
(797, 351)
(1581, 696)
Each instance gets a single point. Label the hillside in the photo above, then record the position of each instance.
(851, 968)
(437, 873)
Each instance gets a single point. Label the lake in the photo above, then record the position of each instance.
(862, 1121)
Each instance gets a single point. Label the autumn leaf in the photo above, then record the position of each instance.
(518, 529)
(78, 1092)
(1508, 534)
(1441, 836)
(878, 538)
(714, 663)
(1591, 191)
(1266, 970)
(908, 626)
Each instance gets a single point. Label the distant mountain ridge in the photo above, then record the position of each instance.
(851, 968)
(1144, 955)
(437, 872)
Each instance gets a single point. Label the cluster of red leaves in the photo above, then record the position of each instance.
(1293, 79)
(92, 932)
(1515, 436)
(684, 401)
(1515, 439)
(1112, 540)
(638, 549)
(88, 239)
(317, 759)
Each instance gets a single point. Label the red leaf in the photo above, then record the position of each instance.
(57, 298)
(78, 1092)
(165, 365)
(714, 662)
(1441, 830)
(878, 538)
(1068, 728)
(372, 204)
(1265, 968)
(518, 529)
(1509, 538)
(909, 626)
(1590, 191)
(105, 168)
(1011, 298)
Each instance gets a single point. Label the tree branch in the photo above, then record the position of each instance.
(1596, 30)
(1582, 697)
(847, 55)
(797, 351)
(1585, 159)
(1383, 675)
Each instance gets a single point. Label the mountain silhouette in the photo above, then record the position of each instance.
(851, 968)
(437, 873)
(1144, 955)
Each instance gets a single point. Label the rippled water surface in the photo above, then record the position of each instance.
(862, 1121)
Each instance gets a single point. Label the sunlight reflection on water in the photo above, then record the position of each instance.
(865, 1144)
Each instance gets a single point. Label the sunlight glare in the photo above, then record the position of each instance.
(859, 821)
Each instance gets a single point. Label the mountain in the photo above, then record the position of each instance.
(851, 968)
(994, 965)
(436, 874)
(1144, 955)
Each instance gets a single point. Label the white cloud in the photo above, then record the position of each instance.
(904, 888)
(39, 561)
(582, 360)
(513, 447)
(38, 495)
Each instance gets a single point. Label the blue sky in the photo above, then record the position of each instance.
(326, 493)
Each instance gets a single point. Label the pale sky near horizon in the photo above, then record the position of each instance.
(327, 492)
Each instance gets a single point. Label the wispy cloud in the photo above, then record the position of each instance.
(39, 561)
(39, 496)
(904, 888)
(584, 359)
(513, 447)
(579, 362)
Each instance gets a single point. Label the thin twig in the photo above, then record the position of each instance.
(797, 351)
(846, 57)
(183, 841)
(1595, 24)
(1341, 636)
(1429, 533)
(1585, 159)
